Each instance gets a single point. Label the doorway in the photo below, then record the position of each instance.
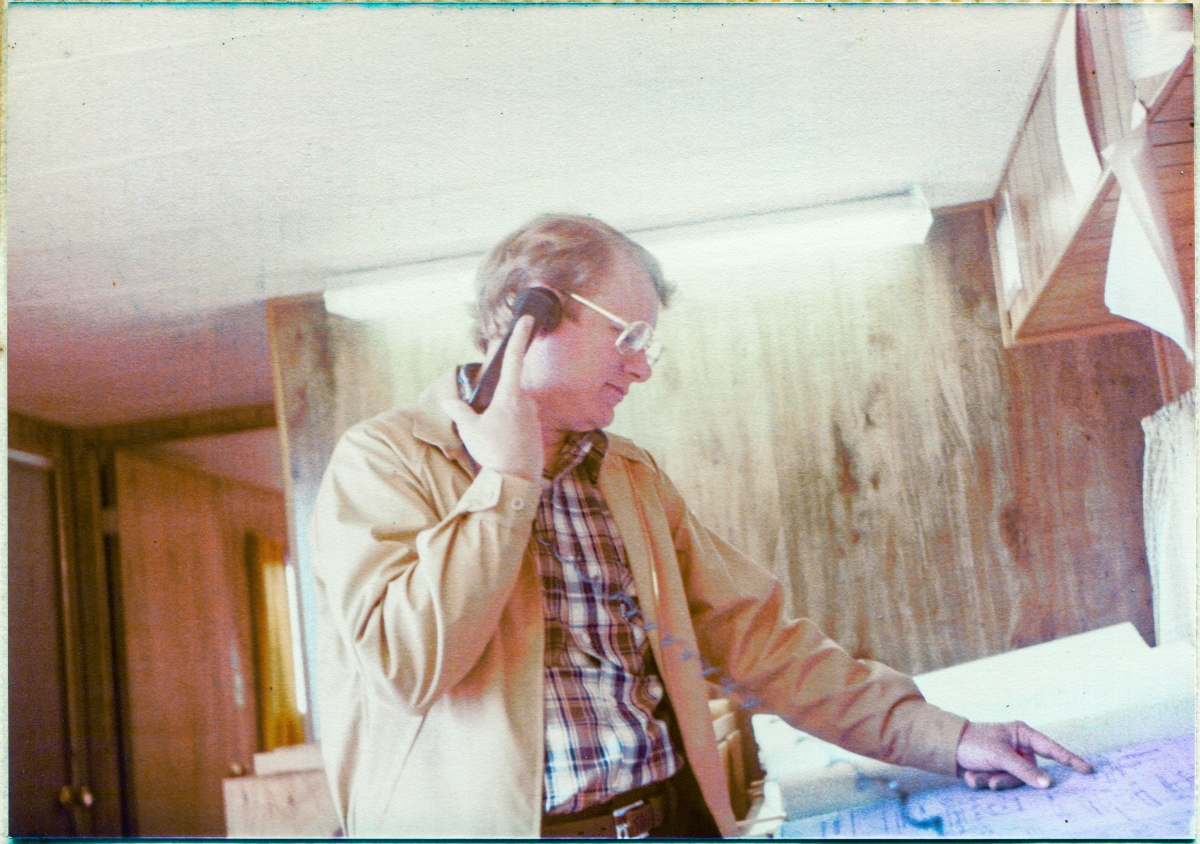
(39, 774)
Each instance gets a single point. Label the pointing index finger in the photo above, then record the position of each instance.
(1045, 746)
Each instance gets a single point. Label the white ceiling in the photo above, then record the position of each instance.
(172, 167)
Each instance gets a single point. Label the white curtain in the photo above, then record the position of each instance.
(1169, 501)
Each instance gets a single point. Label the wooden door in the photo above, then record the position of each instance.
(38, 733)
(189, 704)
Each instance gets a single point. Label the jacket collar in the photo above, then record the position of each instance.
(432, 425)
(618, 446)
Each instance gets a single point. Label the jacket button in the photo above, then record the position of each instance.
(518, 504)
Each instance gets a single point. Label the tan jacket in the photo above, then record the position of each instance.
(431, 636)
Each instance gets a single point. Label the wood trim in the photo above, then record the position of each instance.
(28, 458)
(33, 436)
(1047, 64)
(1112, 83)
(1117, 326)
(302, 370)
(226, 420)
(1023, 309)
(1089, 86)
(1006, 331)
(962, 207)
(258, 628)
(99, 720)
(72, 638)
(1176, 374)
(109, 812)
(1163, 95)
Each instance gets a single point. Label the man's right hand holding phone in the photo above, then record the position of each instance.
(506, 437)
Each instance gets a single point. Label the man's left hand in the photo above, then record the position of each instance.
(999, 756)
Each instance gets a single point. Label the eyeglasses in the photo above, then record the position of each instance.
(635, 336)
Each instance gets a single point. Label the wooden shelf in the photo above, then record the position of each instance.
(1064, 261)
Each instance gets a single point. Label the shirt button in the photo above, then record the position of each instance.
(518, 503)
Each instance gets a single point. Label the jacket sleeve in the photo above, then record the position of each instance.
(414, 561)
(790, 667)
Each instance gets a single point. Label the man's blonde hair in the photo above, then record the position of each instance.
(568, 253)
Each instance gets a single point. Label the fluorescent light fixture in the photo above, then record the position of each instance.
(723, 248)
(417, 289)
(782, 236)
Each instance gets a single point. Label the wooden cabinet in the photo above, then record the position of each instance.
(1062, 234)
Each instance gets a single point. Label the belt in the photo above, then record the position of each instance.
(630, 815)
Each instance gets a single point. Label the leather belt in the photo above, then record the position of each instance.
(627, 816)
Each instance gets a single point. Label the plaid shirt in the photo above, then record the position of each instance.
(601, 684)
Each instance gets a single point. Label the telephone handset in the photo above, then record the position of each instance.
(546, 308)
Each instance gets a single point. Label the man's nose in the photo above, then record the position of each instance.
(637, 367)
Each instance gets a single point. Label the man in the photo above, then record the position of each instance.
(520, 618)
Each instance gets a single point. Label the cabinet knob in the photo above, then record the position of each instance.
(236, 770)
(67, 796)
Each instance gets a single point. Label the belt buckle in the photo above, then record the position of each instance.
(622, 826)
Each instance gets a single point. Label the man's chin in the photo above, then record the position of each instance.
(605, 418)
(593, 421)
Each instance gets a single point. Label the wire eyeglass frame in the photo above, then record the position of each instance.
(637, 336)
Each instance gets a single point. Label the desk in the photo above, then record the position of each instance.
(1147, 790)
(1099, 693)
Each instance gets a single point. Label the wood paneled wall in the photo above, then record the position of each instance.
(188, 675)
(850, 433)
(104, 633)
(1075, 525)
(854, 423)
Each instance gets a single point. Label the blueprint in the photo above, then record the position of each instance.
(1144, 791)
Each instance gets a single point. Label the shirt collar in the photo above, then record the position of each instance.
(585, 450)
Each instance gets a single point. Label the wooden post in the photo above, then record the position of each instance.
(301, 365)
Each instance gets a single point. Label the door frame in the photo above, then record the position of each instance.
(81, 460)
(43, 447)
